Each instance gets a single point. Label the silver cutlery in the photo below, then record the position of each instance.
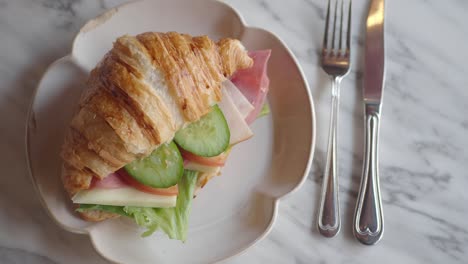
(368, 223)
(336, 63)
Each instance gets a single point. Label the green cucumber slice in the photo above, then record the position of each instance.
(206, 137)
(163, 168)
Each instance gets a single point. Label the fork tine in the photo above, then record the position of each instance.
(341, 27)
(325, 34)
(348, 35)
(334, 28)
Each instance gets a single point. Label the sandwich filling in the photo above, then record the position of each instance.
(157, 191)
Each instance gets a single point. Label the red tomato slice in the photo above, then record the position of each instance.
(171, 191)
(207, 161)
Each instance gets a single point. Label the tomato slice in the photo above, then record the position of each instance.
(215, 161)
(171, 191)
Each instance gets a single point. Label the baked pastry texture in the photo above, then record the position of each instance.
(145, 89)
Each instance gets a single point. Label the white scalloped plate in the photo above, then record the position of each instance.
(233, 211)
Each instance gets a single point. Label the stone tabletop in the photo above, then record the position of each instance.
(424, 161)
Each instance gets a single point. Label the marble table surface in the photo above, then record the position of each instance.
(424, 161)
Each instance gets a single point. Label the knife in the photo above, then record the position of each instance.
(368, 223)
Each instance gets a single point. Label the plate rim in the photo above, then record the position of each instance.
(30, 119)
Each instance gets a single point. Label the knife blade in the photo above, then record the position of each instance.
(374, 68)
(368, 225)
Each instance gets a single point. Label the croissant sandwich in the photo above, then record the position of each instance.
(156, 122)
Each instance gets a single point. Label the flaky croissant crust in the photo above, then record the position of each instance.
(144, 90)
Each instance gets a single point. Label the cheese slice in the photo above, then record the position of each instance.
(190, 165)
(125, 196)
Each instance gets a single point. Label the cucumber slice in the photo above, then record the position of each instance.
(163, 168)
(207, 137)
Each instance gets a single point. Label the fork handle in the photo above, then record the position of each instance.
(368, 219)
(329, 211)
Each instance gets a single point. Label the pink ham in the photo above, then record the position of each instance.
(254, 82)
(111, 181)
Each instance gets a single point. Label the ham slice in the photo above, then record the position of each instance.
(238, 98)
(238, 126)
(111, 181)
(254, 82)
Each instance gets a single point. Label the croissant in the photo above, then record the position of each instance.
(145, 89)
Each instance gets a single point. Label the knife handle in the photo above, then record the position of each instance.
(328, 221)
(368, 223)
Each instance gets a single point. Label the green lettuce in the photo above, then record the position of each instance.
(172, 221)
(265, 110)
(106, 208)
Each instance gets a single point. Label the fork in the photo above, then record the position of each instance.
(336, 63)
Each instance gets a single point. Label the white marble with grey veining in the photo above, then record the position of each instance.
(424, 161)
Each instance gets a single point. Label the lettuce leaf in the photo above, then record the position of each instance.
(106, 208)
(172, 221)
(265, 110)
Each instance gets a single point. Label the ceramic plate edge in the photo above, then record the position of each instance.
(276, 200)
